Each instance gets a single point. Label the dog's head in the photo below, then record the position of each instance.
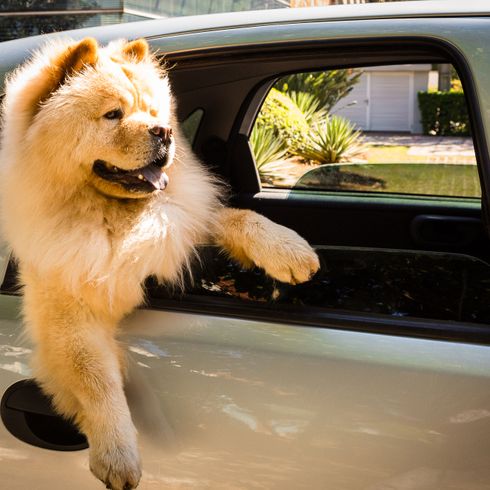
(103, 117)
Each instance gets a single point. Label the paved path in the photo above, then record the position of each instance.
(432, 149)
(424, 145)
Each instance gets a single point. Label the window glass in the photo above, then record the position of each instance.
(394, 283)
(191, 124)
(395, 129)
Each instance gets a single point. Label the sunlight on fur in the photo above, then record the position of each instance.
(99, 191)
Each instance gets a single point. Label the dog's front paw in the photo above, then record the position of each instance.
(118, 467)
(285, 256)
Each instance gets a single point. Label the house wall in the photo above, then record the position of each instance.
(386, 98)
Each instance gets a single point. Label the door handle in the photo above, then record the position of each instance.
(445, 231)
(27, 414)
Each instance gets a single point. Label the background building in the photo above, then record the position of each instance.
(385, 98)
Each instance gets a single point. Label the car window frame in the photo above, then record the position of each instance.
(248, 179)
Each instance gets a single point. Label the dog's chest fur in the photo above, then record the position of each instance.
(143, 239)
(101, 250)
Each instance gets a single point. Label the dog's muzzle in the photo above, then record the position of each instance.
(149, 178)
(146, 179)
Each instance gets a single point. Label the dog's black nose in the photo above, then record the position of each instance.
(162, 132)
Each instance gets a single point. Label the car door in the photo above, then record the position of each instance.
(247, 383)
(368, 230)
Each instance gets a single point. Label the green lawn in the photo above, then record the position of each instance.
(404, 178)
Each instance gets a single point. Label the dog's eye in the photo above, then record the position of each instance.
(114, 114)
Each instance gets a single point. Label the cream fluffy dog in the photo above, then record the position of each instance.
(100, 190)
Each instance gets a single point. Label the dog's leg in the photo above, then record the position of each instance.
(77, 361)
(251, 239)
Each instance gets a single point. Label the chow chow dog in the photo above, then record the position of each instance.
(99, 191)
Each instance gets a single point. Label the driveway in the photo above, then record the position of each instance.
(427, 149)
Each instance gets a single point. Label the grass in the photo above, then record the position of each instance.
(437, 174)
(404, 178)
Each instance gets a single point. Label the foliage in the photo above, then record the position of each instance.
(456, 85)
(327, 86)
(281, 115)
(309, 105)
(444, 113)
(334, 139)
(294, 120)
(266, 147)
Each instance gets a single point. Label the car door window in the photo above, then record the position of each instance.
(394, 283)
(190, 125)
(385, 129)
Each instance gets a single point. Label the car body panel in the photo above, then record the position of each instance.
(222, 403)
(227, 403)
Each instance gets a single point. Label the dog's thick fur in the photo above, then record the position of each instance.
(85, 244)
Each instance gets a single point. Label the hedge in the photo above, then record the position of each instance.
(444, 113)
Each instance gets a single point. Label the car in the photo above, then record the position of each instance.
(376, 373)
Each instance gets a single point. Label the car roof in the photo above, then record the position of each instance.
(15, 51)
(210, 22)
(231, 20)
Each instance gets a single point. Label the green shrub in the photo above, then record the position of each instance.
(281, 115)
(334, 139)
(444, 113)
(327, 86)
(266, 147)
(296, 122)
(309, 105)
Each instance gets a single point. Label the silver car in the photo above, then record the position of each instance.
(375, 375)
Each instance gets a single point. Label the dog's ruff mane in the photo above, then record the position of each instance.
(63, 228)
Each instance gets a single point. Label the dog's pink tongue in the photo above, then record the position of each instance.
(155, 176)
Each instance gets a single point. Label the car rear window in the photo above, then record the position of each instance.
(401, 129)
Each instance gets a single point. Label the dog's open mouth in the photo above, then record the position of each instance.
(149, 178)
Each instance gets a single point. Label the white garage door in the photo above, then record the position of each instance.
(379, 102)
(390, 102)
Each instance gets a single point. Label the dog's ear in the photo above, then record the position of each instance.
(137, 50)
(73, 59)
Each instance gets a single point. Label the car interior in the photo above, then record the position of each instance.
(399, 263)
